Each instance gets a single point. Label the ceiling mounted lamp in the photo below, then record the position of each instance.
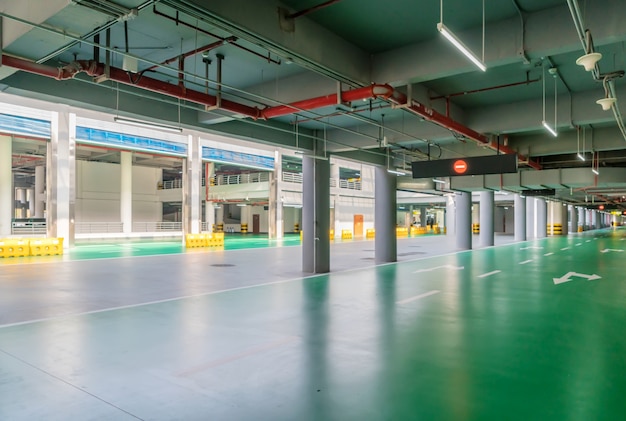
(606, 103)
(454, 40)
(544, 123)
(148, 125)
(588, 61)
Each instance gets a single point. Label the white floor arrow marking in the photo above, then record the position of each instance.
(548, 254)
(568, 277)
(525, 261)
(565, 248)
(588, 241)
(417, 297)
(579, 244)
(531, 247)
(608, 250)
(484, 275)
(440, 267)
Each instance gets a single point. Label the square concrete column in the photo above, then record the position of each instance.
(192, 186)
(61, 176)
(463, 220)
(126, 191)
(486, 235)
(520, 217)
(541, 217)
(6, 185)
(315, 215)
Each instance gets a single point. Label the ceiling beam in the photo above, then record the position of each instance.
(548, 32)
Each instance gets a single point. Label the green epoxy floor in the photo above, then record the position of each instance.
(501, 333)
(116, 249)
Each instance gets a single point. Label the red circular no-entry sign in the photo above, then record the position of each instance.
(459, 166)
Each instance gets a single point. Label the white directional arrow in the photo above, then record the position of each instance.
(531, 247)
(608, 250)
(440, 267)
(568, 277)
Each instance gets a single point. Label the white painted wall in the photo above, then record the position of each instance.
(98, 193)
(347, 207)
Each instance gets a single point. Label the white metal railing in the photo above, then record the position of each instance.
(227, 179)
(352, 185)
(25, 228)
(157, 226)
(292, 177)
(98, 227)
(171, 184)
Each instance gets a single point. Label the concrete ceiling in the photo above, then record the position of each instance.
(346, 45)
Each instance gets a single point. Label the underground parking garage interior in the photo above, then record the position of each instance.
(312, 210)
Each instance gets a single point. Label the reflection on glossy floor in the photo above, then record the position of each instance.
(524, 331)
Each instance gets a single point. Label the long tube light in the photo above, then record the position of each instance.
(147, 124)
(460, 46)
(396, 172)
(439, 181)
(582, 158)
(550, 129)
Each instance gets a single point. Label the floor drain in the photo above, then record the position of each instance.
(222, 265)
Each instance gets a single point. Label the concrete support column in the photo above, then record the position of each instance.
(596, 218)
(126, 191)
(463, 220)
(520, 217)
(450, 215)
(40, 197)
(486, 237)
(573, 219)
(61, 177)
(315, 215)
(541, 216)
(209, 206)
(219, 215)
(20, 197)
(6, 185)
(30, 198)
(581, 217)
(276, 223)
(422, 216)
(385, 244)
(564, 218)
(531, 217)
(192, 186)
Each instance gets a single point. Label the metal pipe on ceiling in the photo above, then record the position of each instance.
(177, 20)
(312, 9)
(436, 117)
(90, 34)
(203, 49)
(491, 88)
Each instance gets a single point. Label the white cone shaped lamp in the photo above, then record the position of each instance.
(588, 61)
(606, 103)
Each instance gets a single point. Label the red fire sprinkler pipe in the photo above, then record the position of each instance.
(367, 92)
(436, 117)
(383, 91)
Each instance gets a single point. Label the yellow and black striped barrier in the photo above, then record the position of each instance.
(244, 228)
(370, 233)
(296, 228)
(402, 232)
(204, 240)
(346, 234)
(475, 228)
(554, 229)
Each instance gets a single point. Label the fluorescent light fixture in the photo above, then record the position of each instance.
(241, 205)
(147, 124)
(580, 156)
(595, 171)
(439, 181)
(396, 172)
(460, 46)
(550, 129)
